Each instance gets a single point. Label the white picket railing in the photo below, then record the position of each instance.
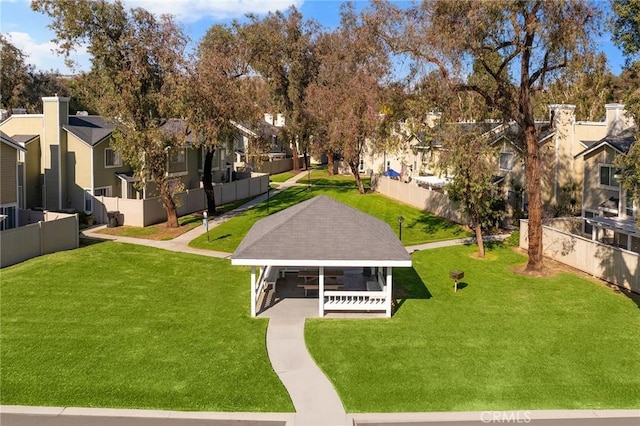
(355, 300)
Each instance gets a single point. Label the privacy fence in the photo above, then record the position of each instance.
(150, 211)
(421, 198)
(54, 232)
(612, 264)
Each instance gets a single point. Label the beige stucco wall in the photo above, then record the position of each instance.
(8, 174)
(33, 178)
(106, 176)
(593, 192)
(56, 111)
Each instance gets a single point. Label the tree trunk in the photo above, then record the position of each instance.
(534, 192)
(330, 163)
(169, 205)
(207, 182)
(479, 240)
(294, 152)
(354, 169)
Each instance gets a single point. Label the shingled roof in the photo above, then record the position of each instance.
(10, 141)
(90, 129)
(321, 232)
(621, 142)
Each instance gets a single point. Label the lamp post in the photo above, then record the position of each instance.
(400, 220)
(205, 222)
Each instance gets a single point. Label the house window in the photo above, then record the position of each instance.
(112, 158)
(506, 161)
(9, 221)
(102, 192)
(88, 201)
(178, 160)
(607, 178)
(588, 228)
(361, 166)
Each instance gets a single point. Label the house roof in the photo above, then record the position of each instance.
(24, 139)
(10, 141)
(90, 129)
(621, 142)
(321, 232)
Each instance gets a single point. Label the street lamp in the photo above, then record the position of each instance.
(205, 222)
(400, 220)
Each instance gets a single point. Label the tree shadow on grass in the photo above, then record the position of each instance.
(408, 285)
(430, 224)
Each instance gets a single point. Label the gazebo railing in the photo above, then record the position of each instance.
(355, 300)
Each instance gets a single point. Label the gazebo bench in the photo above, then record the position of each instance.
(308, 287)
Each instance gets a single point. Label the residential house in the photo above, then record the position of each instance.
(608, 210)
(259, 142)
(10, 191)
(69, 159)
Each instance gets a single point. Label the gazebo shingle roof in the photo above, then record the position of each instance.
(321, 231)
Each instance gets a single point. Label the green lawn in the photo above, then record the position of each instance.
(320, 177)
(118, 325)
(503, 342)
(281, 177)
(418, 227)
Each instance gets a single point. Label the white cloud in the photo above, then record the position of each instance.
(188, 11)
(43, 56)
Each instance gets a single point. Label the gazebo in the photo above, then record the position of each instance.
(317, 239)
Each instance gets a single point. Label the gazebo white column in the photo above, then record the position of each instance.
(389, 288)
(321, 291)
(253, 291)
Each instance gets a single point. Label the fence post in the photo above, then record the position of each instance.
(41, 237)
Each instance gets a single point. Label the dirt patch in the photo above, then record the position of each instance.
(158, 232)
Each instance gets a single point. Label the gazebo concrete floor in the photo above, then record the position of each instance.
(287, 300)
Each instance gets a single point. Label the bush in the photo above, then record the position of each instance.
(513, 240)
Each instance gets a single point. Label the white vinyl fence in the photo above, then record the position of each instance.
(420, 198)
(612, 264)
(150, 211)
(56, 232)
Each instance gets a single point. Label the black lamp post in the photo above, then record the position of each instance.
(400, 220)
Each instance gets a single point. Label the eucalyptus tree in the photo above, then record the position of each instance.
(218, 95)
(15, 75)
(626, 31)
(281, 49)
(347, 96)
(521, 46)
(137, 71)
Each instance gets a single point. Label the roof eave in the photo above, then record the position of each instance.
(324, 263)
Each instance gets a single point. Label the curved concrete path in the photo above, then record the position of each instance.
(313, 395)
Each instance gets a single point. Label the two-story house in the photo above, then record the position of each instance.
(69, 159)
(609, 211)
(259, 142)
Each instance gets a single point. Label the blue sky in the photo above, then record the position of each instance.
(28, 30)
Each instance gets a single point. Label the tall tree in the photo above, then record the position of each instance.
(468, 158)
(347, 96)
(217, 94)
(137, 72)
(520, 45)
(15, 76)
(281, 51)
(626, 31)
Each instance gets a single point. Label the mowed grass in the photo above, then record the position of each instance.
(281, 177)
(320, 177)
(503, 342)
(418, 227)
(118, 325)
